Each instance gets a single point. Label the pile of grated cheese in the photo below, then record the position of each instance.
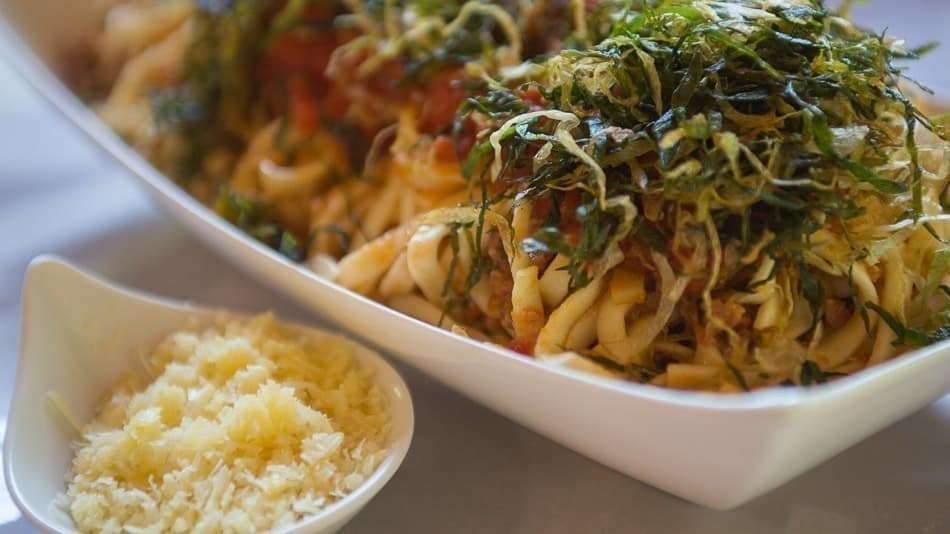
(247, 426)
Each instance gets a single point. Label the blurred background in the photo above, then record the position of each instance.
(59, 194)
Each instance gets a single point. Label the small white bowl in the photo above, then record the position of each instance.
(77, 334)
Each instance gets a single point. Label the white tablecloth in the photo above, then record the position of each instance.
(469, 469)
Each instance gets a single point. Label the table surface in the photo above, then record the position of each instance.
(469, 469)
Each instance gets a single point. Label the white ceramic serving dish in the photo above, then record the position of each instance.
(719, 451)
(78, 335)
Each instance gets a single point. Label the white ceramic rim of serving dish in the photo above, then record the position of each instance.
(340, 510)
(39, 76)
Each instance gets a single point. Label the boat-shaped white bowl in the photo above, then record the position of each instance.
(719, 451)
(79, 335)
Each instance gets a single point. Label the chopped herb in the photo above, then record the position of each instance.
(289, 247)
(252, 216)
(910, 336)
(740, 378)
(812, 374)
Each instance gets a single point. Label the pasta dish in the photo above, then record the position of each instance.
(716, 195)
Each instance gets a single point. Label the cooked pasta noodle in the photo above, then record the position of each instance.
(708, 194)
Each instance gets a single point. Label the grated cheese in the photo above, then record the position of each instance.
(247, 426)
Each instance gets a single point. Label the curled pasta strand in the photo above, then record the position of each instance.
(127, 109)
(422, 254)
(481, 294)
(131, 28)
(527, 308)
(894, 297)
(553, 336)
(280, 181)
(334, 217)
(644, 331)
(244, 179)
(521, 230)
(381, 213)
(491, 219)
(555, 282)
(584, 333)
(842, 344)
(691, 376)
(361, 269)
(777, 310)
(397, 280)
(626, 291)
